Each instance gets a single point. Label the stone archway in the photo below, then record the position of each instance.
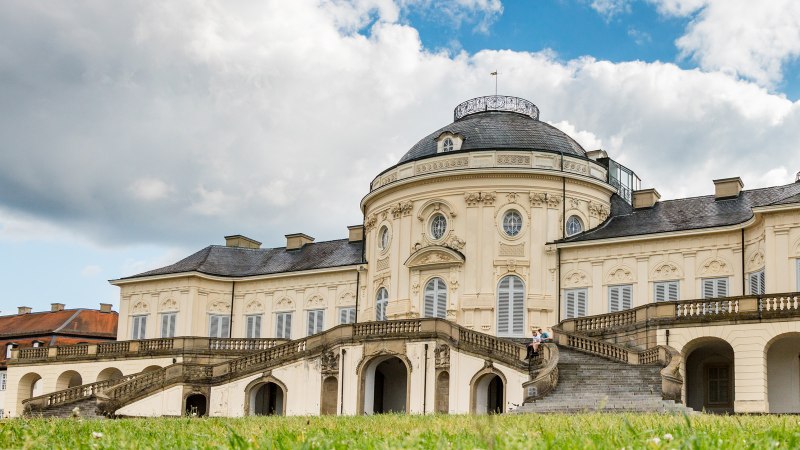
(196, 405)
(265, 396)
(68, 379)
(709, 375)
(109, 373)
(488, 392)
(30, 385)
(782, 356)
(384, 385)
(442, 394)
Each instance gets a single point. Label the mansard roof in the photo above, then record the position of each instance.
(687, 213)
(226, 261)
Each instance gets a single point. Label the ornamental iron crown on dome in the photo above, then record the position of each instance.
(496, 103)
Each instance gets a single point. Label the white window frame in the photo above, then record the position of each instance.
(252, 326)
(514, 311)
(3, 381)
(434, 298)
(713, 286)
(139, 327)
(567, 225)
(580, 302)
(512, 229)
(168, 329)
(283, 325)
(381, 303)
(222, 323)
(315, 321)
(756, 283)
(433, 229)
(617, 297)
(448, 145)
(347, 315)
(37, 344)
(669, 289)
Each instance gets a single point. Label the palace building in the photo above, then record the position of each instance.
(485, 230)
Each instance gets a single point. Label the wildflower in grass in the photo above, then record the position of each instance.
(668, 437)
(97, 434)
(655, 440)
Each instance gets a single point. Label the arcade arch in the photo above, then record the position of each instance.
(709, 375)
(487, 392)
(109, 373)
(384, 385)
(265, 396)
(782, 355)
(68, 379)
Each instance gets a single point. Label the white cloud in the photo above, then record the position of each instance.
(273, 117)
(611, 8)
(749, 39)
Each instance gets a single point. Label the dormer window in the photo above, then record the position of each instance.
(447, 145)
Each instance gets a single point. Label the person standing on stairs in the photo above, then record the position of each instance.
(533, 346)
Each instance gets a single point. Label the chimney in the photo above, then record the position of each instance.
(237, 240)
(297, 240)
(105, 307)
(56, 307)
(356, 233)
(726, 188)
(23, 310)
(645, 198)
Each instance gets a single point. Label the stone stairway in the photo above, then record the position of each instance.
(591, 383)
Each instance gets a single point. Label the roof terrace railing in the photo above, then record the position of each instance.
(496, 103)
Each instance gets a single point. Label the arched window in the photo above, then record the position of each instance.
(380, 304)
(447, 145)
(436, 298)
(511, 307)
(438, 226)
(574, 225)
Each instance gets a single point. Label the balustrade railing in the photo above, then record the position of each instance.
(491, 344)
(261, 359)
(597, 347)
(605, 321)
(73, 350)
(113, 348)
(705, 308)
(154, 345)
(781, 303)
(243, 344)
(74, 393)
(32, 353)
(387, 327)
(137, 384)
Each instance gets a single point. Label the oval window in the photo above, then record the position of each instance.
(438, 226)
(512, 223)
(383, 238)
(574, 225)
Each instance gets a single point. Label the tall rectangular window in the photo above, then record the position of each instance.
(620, 297)
(283, 325)
(253, 326)
(575, 302)
(714, 287)
(347, 315)
(168, 324)
(219, 326)
(316, 321)
(138, 327)
(756, 282)
(3, 378)
(666, 291)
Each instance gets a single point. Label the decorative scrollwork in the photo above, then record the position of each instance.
(496, 103)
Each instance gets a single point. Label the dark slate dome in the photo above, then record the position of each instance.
(498, 123)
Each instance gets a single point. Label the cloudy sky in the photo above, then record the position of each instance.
(135, 133)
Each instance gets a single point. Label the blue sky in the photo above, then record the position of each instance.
(132, 135)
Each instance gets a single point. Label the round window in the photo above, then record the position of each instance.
(447, 145)
(574, 225)
(512, 223)
(383, 238)
(438, 226)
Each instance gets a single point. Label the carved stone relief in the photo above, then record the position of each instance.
(512, 250)
(254, 306)
(346, 299)
(169, 305)
(442, 356)
(476, 198)
(454, 163)
(284, 303)
(402, 209)
(219, 306)
(315, 301)
(329, 362)
(755, 261)
(513, 160)
(140, 307)
(667, 271)
(382, 264)
(620, 275)
(715, 266)
(576, 278)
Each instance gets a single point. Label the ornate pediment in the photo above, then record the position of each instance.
(715, 266)
(620, 274)
(169, 305)
(667, 270)
(254, 306)
(219, 306)
(576, 278)
(755, 261)
(140, 307)
(434, 255)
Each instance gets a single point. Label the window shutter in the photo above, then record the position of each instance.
(142, 326)
(279, 326)
(503, 305)
(613, 298)
(165, 325)
(708, 288)
(320, 321)
(762, 282)
(518, 306)
(257, 327)
(226, 327)
(310, 324)
(672, 291)
(569, 304)
(660, 294)
(441, 299)
(352, 318)
(430, 292)
(287, 323)
(722, 287)
(627, 296)
(213, 330)
(343, 315)
(580, 303)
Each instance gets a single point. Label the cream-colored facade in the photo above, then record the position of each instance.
(497, 236)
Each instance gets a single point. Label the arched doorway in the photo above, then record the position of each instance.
(68, 379)
(783, 373)
(151, 368)
(330, 395)
(488, 392)
(385, 386)
(442, 401)
(196, 405)
(109, 373)
(709, 375)
(30, 385)
(267, 400)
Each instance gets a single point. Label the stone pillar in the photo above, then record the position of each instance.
(750, 376)
(641, 295)
(688, 288)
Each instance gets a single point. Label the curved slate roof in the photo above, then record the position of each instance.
(687, 213)
(225, 261)
(494, 130)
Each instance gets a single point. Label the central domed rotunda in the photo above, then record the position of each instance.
(497, 122)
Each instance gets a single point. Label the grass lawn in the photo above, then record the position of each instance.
(396, 431)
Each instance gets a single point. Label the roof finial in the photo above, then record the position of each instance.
(494, 74)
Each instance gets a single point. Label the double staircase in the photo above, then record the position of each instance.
(590, 383)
